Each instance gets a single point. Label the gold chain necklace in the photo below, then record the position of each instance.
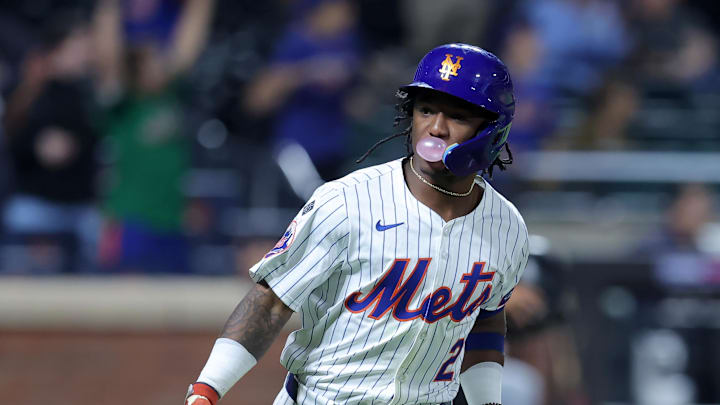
(440, 189)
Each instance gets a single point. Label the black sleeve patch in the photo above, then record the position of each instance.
(308, 207)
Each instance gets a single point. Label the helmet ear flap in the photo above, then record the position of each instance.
(502, 135)
(498, 141)
(500, 138)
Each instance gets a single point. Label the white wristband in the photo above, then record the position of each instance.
(482, 383)
(228, 361)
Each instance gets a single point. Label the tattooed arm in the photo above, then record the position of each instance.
(257, 320)
(248, 333)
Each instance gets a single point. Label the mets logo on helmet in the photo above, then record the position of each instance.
(449, 68)
(285, 241)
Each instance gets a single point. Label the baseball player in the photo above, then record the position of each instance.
(400, 271)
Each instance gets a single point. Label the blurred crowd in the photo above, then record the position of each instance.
(134, 129)
(157, 136)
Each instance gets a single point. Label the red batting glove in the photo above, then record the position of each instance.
(201, 394)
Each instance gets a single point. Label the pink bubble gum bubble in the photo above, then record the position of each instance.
(431, 148)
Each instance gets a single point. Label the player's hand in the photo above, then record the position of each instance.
(197, 400)
(201, 394)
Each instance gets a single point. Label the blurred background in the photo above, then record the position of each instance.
(152, 150)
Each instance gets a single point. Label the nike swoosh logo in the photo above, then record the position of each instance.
(382, 228)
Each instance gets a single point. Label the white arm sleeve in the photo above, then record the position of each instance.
(482, 383)
(228, 362)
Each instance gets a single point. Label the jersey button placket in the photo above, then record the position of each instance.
(445, 241)
(442, 254)
(399, 380)
(401, 374)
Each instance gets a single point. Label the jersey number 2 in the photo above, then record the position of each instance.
(455, 351)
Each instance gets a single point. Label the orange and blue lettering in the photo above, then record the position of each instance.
(390, 293)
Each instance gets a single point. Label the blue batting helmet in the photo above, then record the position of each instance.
(478, 77)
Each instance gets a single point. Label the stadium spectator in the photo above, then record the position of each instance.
(610, 110)
(51, 137)
(533, 121)
(544, 366)
(581, 40)
(674, 49)
(429, 23)
(685, 257)
(144, 49)
(691, 211)
(307, 81)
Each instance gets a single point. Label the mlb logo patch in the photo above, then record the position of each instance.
(308, 207)
(284, 242)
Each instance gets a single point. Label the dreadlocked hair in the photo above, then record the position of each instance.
(499, 162)
(404, 113)
(404, 109)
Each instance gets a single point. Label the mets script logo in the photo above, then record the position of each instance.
(390, 293)
(285, 241)
(449, 68)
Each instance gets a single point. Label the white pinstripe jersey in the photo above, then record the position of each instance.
(385, 309)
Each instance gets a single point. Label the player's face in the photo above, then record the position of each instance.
(444, 116)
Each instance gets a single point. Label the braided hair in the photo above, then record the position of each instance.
(404, 108)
